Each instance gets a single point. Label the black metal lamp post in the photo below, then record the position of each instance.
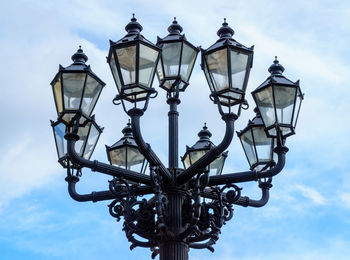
(187, 206)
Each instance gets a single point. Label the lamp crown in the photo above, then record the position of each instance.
(79, 57)
(225, 31)
(133, 27)
(276, 68)
(127, 131)
(204, 134)
(175, 28)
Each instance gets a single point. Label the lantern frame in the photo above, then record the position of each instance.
(77, 67)
(276, 126)
(230, 95)
(137, 91)
(175, 36)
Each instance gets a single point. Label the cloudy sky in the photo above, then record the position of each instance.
(308, 215)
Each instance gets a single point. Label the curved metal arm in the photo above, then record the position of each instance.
(100, 195)
(247, 202)
(252, 175)
(212, 154)
(102, 167)
(145, 148)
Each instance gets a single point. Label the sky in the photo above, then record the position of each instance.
(308, 215)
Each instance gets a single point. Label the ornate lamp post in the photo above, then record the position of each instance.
(187, 206)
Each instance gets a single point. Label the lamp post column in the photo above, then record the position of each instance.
(171, 248)
(173, 132)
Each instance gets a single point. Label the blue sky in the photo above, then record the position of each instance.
(308, 215)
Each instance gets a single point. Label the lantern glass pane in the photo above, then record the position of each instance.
(263, 144)
(57, 90)
(115, 73)
(91, 93)
(171, 58)
(83, 132)
(187, 161)
(135, 159)
(188, 58)
(284, 99)
(207, 75)
(73, 85)
(127, 64)
(60, 131)
(297, 107)
(147, 64)
(264, 100)
(195, 155)
(160, 74)
(216, 166)
(248, 146)
(91, 142)
(218, 69)
(238, 69)
(118, 156)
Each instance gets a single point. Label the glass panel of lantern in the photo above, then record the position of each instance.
(177, 59)
(278, 100)
(76, 88)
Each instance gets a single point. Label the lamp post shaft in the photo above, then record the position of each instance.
(172, 249)
(173, 132)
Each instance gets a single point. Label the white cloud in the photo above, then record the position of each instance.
(311, 194)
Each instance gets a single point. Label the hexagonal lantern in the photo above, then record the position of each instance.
(125, 153)
(133, 61)
(88, 132)
(177, 59)
(226, 65)
(199, 149)
(257, 146)
(278, 100)
(76, 88)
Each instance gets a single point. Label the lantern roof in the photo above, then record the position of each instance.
(256, 121)
(133, 29)
(276, 77)
(79, 59)
(225, 33)
(175, 31)
(127, 139)
(204, 142)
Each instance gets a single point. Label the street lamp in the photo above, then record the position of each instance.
(185, 207)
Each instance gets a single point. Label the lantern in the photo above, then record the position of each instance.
(125, 153)
(133, 61)
(278, 100)
(257, 146)
(76, 88)
(226, 65)
(88, 132)
(199, 149)
(177, 59)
